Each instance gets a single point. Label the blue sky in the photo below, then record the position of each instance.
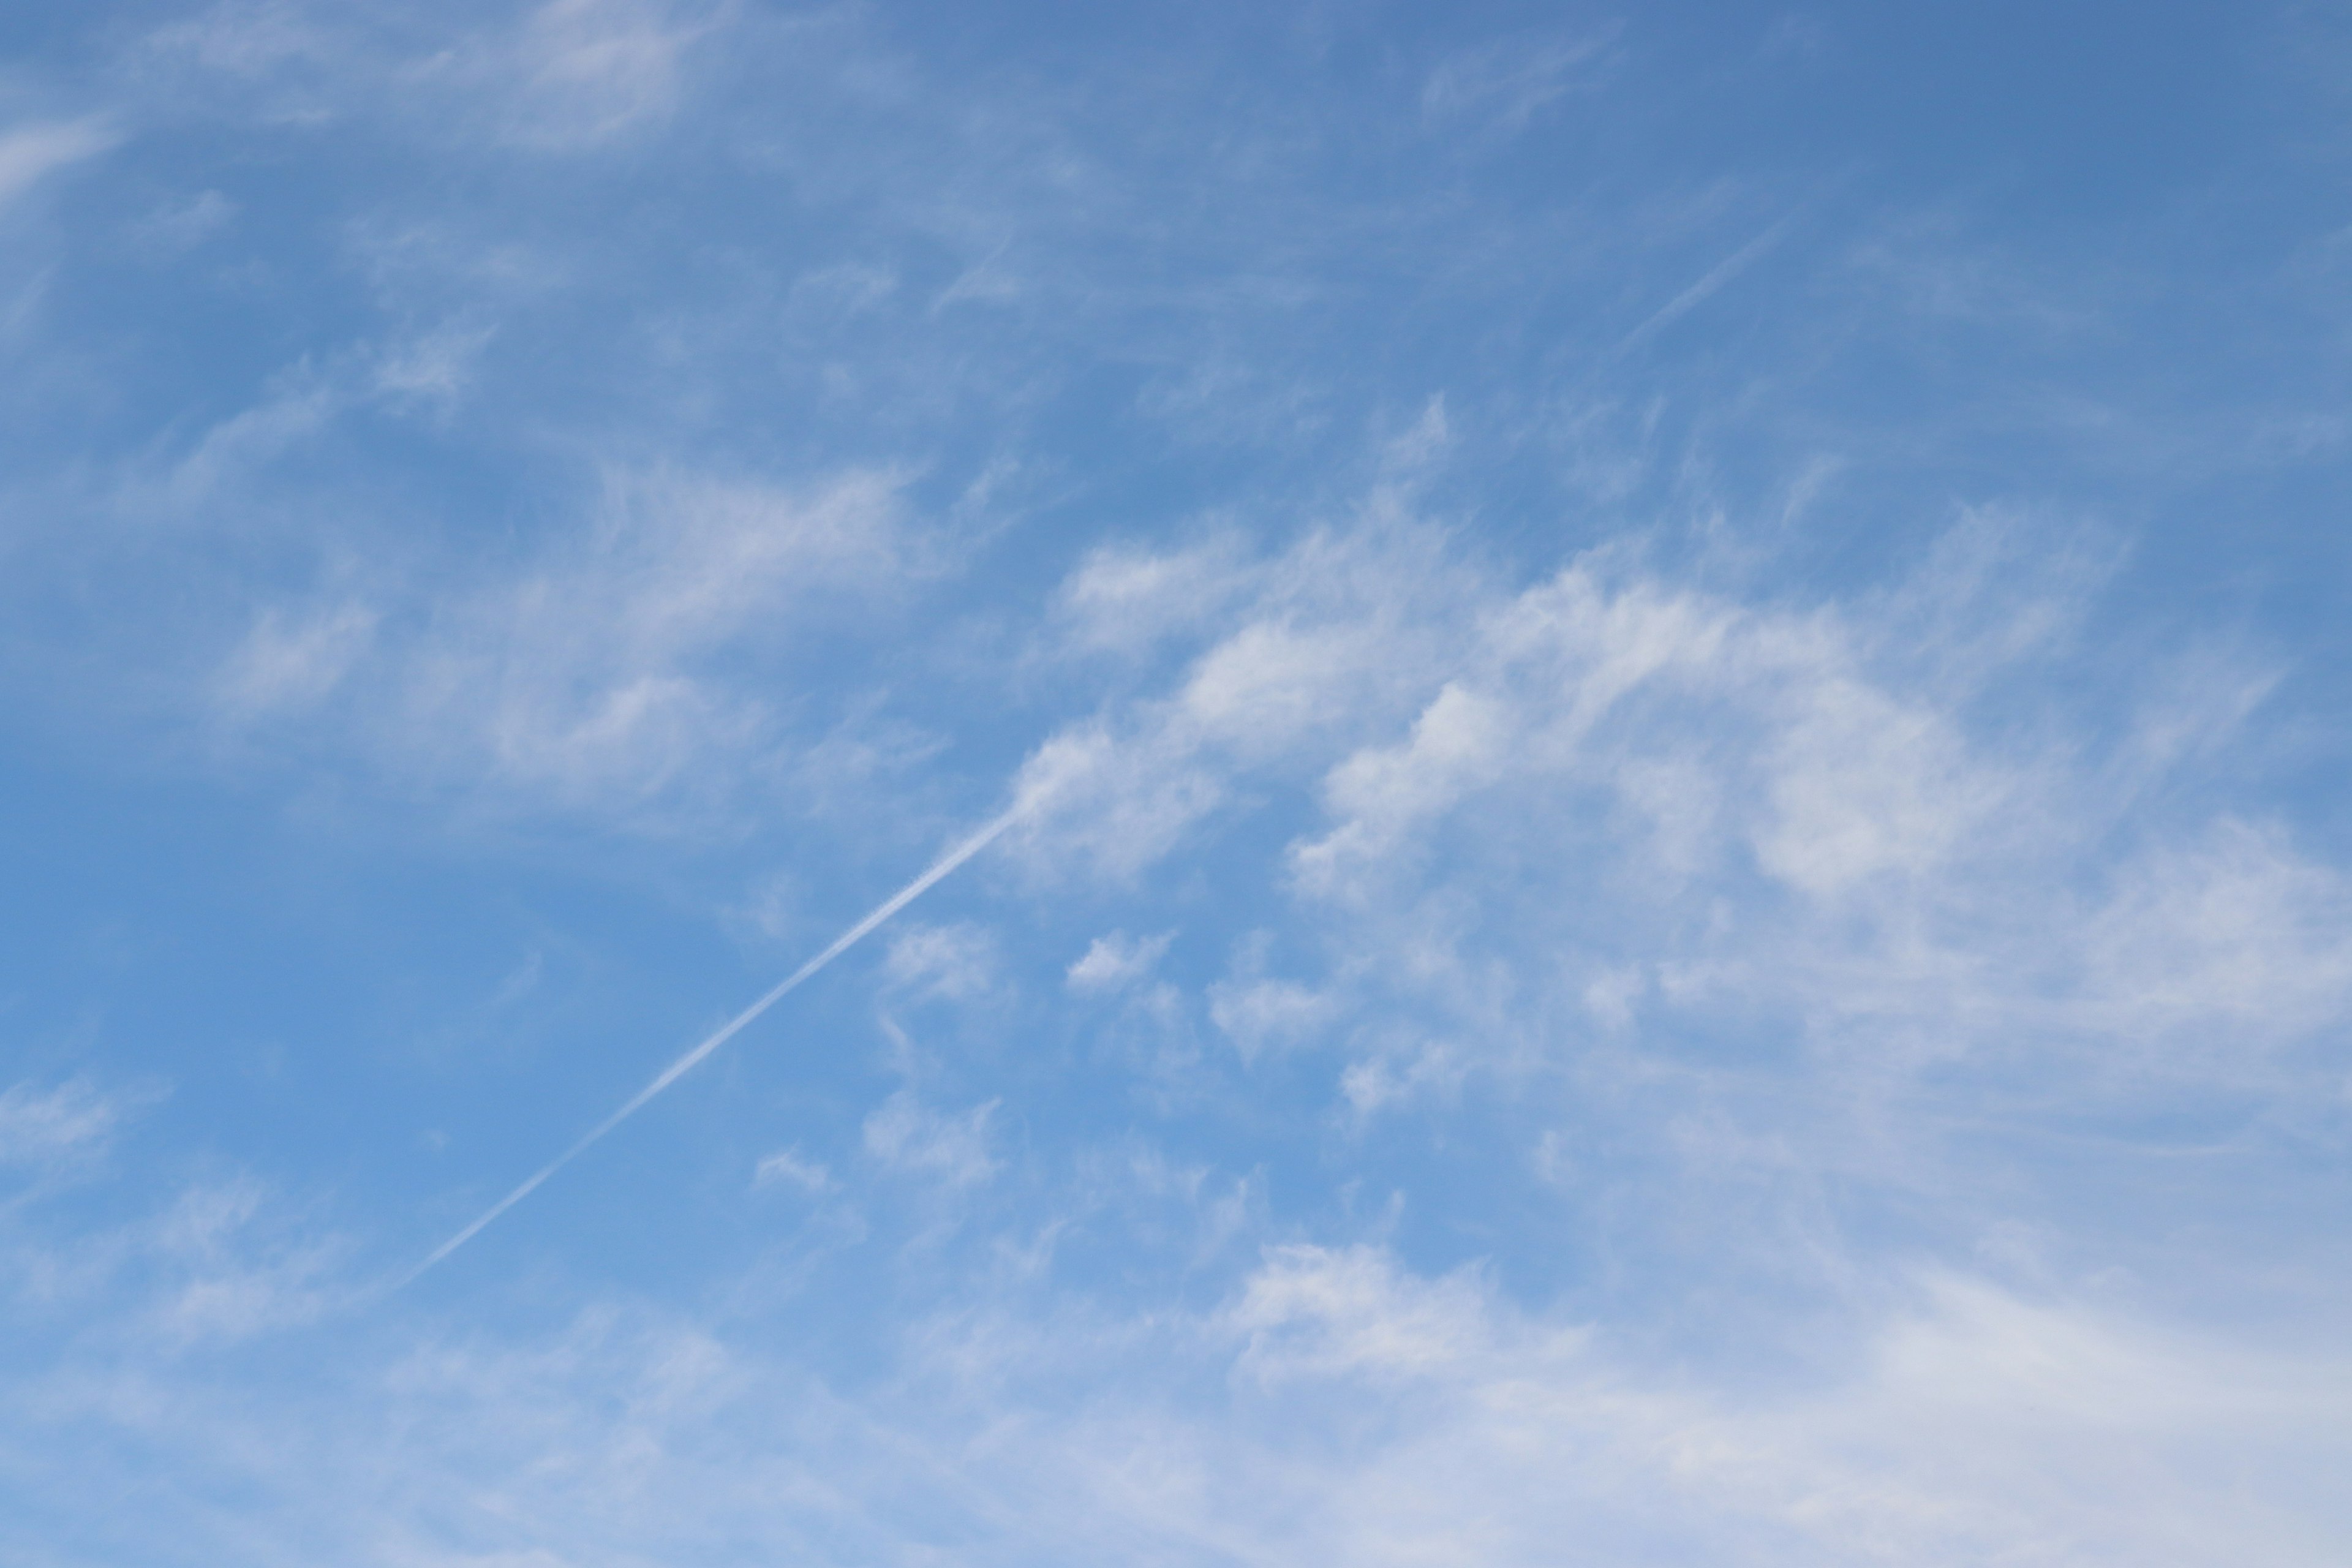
(1669, 688)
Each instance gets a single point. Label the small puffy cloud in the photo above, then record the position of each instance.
(1379, 793)
(1332, 635)
(951, 962)
(1116, 962)
(1401, 1073)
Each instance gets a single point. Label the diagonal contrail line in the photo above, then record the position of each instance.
(727, 1031)
(1721, 273)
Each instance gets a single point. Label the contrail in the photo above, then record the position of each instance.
(728, 1031)
(1721, 273)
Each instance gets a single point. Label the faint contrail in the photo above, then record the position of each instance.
(678, 1069)
(1722, 272)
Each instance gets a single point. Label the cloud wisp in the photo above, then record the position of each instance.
(686, 1063)
(1663, 697)
(28, 153)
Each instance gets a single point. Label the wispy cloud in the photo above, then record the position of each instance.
(291, 664)
(575, 74)
(791, 1168)
(594, 675)
(1116, 962)
(1763, 956)
(911, 1137)
(1507, 82)
(40, 1128)
(29, 154)
(1336, 1405)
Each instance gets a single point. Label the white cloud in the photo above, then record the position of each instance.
(181, 226)
(1339, 630)
(1313, 1310)
(790, 1167)
(2222, 948)
(1849, 813)
(1864, 786)
(1117, 807)
(214, 1261)
(1459, 742)
(1508, 81)
(1333, 1405)
(605, 673)
(572, 74)
(911, 1137)
(1973, 1426)
(297, 406)
(953, 963)
(244, 37)
(1260, 1015)
(45, 1127)
(1339, 1408)
(29, 154)
(1401, 1070)
(1128, 599)
(607, 62)
(435, 369)
(1702, 864)
(230, 1271)
(290, 663)
(1116, 962)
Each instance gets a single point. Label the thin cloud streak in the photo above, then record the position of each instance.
(728, 1031)
(1721, 273)
(29, 152)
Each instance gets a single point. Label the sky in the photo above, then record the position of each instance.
(1602, 752)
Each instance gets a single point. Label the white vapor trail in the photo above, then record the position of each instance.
(728, 1031)
(1721, 273)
